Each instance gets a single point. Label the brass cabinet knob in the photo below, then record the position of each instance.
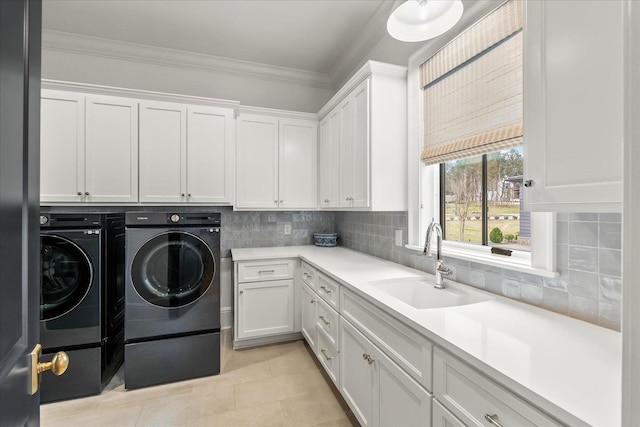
(58, 364)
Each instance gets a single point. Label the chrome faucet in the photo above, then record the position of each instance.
(441, 270)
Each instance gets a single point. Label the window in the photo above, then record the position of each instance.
(469, 180)
(480, 200)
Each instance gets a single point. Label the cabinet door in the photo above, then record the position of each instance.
(298, 165)
(357, 374)
(360, 144)
(61, 147)
(265, 308)
(309, 316)
(346, 153)
(257, 162)
(400, 400)
(330, 160)
(111, 173)
(163, 149)
(573, 106)
(210, 154)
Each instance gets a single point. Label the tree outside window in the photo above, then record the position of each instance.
(481, 194)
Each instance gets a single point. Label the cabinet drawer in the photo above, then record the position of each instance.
(403, 345)
(471, 397)
(309, 275)
(328, 356)
(329, 290)
(443, 418)
(265, 270)
(328, 321)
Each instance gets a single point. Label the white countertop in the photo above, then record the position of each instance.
(569, 368)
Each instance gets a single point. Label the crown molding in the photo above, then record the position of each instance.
(262, 111)
(92, 89)
(370, 68)
(94, 46)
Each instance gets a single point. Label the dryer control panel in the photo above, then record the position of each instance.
(147, 219)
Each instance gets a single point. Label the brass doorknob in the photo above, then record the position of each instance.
(58, 364)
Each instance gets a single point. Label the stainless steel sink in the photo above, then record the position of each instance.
(421, 294)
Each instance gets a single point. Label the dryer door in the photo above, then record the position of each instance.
(173, 269)
(66, 276)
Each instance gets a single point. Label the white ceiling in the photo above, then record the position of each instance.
(309, 35)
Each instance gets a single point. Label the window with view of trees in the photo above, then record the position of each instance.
(481, 201)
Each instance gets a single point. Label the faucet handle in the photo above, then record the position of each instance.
(444, 270)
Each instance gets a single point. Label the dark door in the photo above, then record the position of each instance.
(19, 204)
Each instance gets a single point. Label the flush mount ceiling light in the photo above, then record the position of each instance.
(419, 20)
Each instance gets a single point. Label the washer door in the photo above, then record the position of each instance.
(173, 269)
(66, 276)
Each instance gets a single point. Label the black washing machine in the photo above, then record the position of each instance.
(82, 262)
(172, 297)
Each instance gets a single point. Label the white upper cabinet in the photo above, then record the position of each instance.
(61, 147)
(89, 148)
(573, 105)
(257, 162)
(163, 152)
(370, 143)
(329, 161)
(298, 164)
(111, 172)
(210, 142)
(186, 153)
(358, 191)
(276, 165)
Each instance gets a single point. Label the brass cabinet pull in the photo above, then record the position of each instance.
(324, 288)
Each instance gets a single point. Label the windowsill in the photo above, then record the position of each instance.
(518, 261)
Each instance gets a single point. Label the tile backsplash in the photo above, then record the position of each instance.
(589, 255)
(589, 260)
(242, 229)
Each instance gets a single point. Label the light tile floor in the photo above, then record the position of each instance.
(275, 385)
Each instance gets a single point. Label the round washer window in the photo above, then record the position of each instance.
(173, 269)
(66, 276)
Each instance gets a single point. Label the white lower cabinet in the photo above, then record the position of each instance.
(309, 316)
(329, 356)
(474, 399)
(357, 378)
(265, 308)
(443, 418)
(264, 301)
(377, 390)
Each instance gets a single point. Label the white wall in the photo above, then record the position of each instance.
(146, 75)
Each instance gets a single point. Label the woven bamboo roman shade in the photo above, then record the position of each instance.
(473, 89)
